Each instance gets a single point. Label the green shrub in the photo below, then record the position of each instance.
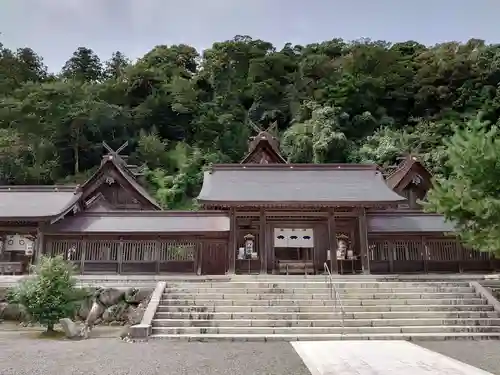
(51, 294)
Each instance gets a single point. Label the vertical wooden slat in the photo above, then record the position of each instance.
(426, 254)
(363, 241)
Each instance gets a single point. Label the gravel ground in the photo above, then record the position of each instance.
(482, 354)
(23, 355)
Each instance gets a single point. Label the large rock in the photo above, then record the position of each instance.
(98, 306)
(138, 295)
(110, 297)
(71, 330)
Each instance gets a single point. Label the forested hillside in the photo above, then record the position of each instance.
(334, 101)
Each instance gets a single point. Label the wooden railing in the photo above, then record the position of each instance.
(334, 295)
(127, 256)
(420, 254)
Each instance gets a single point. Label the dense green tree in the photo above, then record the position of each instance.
(51, 294)
(84, 66)
(469, 196)
(333, 101)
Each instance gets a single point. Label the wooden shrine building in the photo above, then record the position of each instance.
(260, 216)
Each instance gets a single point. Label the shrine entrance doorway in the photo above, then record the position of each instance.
(294, 250)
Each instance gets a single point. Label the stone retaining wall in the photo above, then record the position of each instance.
(128, 311)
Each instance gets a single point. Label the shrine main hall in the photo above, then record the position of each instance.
(262, 215)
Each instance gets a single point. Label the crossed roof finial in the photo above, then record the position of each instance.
(115, 153)
(270, 129)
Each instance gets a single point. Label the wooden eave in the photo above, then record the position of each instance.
(403, 175)
(166, 223)
(293, 205)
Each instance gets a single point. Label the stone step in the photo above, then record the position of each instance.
(323, 330)
(117, 286)
(327, 315)
(324, 309)
(438, 336)
(319, 302)
(222, 323)
(388, 277)
(310, 296)
(315, 284)
(317, 290)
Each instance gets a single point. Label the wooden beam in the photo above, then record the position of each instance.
(262, 242)
(304, 214)
(363, 241)
(122, 147)
(106, 146)
(18, 230)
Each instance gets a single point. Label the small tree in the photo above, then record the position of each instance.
(470, 195)
(51, 294)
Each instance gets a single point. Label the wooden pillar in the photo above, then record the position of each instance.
(363, 241)
(39, 246)
(332, 235)
(231, 253)
(199, 257)
(425, 254)
(262, 242)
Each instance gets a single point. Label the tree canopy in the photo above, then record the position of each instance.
(180, 110)
(470, 195)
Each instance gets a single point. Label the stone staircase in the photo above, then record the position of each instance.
(493, 286)
(303, 309)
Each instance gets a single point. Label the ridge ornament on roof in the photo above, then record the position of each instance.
(263, 148)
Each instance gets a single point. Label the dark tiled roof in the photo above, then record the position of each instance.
(36, 201)
(144, 221)
(408, 222)
(321, 183)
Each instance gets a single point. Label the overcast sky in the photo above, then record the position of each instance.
(55, 28)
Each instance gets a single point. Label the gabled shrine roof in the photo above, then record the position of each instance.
(110, 161)
(336, 184)
(143, 222)
(267, 144)
(399, 178)
(36, 202)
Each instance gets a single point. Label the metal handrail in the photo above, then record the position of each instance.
(334, 294)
